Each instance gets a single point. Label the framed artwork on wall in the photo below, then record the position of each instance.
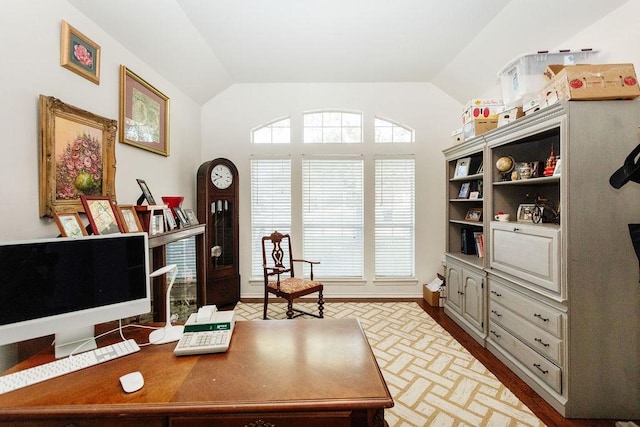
(102, 214)
(144, 114)
(79, 54)
(76, 156)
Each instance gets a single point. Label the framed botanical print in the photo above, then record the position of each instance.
(102, 214)
(76, 156)
(70, 224)
(144, 114)
(79, 54)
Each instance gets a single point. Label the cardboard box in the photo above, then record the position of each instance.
(509, 116)
(589, 82)
(477, 127)
(432, 298)
(482, 108)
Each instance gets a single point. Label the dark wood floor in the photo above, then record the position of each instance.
(538, 406)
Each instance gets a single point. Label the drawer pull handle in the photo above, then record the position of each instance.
(460, 293)
(496, 313)
(537, 365)
(497, 335)
(539, 316)
(516, 229)
(541, 342)
(496, 293)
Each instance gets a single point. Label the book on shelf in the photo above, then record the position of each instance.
(479, 243)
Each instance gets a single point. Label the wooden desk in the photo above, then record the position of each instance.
(331, 378)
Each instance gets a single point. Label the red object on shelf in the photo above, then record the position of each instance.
(173, 201)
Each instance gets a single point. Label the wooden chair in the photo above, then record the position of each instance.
(277, 261)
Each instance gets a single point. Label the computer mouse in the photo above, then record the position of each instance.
(132, 382)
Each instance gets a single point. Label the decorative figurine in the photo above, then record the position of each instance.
(551, 163)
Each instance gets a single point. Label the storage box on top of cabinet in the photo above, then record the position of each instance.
(523, 77)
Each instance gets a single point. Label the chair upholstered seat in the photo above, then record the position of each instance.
(294, 285)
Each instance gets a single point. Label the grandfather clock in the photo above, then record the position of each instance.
(217, 188)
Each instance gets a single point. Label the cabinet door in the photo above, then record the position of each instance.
(454, 286)
(473, 298)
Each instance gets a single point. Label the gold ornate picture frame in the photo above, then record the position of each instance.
(144, 114)
(79, 54)
(76, 156)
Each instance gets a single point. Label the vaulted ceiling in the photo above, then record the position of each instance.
(204, 46)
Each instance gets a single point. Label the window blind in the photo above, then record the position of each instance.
(333, 216)
(270, 204)
(394, 218)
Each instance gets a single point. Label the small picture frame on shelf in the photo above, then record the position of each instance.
(146, 193)
(464, 190)
(473, 214)
(480, 168)
(557, 171)
(102, 214)
(70, 224)
(525, 212)
(474, 195)
(462, 167)
(130, 221)
(191, 216)
(182, 217)
(171, 220)
(157, 224)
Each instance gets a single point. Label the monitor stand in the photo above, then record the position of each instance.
(75, 341)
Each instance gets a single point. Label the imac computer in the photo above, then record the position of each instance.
(66, 286)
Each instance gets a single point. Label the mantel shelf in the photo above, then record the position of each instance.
(175, 235)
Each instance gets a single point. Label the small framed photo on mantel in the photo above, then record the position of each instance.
(462, 167)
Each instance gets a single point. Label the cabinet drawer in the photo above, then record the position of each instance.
(293, 419)
(529, 309)
(530, 252)
(536, 364)
(541, 341)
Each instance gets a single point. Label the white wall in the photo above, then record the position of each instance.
(228, 119)
(30, 54)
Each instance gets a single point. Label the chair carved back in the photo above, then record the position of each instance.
(280, 246)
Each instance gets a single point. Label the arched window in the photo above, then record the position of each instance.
(275, 132)
(388, 131)
(338, 127)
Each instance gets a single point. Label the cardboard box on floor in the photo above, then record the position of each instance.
(589, 82)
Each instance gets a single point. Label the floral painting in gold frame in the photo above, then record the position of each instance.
(76, 156)
(79, 54)
(144, 114)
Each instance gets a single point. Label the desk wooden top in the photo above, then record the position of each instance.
(275, 365)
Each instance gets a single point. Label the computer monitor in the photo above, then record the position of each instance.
(66, 286)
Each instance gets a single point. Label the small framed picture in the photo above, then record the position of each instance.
(474, 195)
(525, 212)
(78, 53)
(191, 216)
(170, 219)
(157, 224)
(102, 214)
(464, 190)
(473, 214)
(558, 169)
(480, 168)
(130, 221)
(146, 193)
(70, 224)
(182, 217)
(462, 167)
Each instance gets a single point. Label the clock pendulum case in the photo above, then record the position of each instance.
(217, 192)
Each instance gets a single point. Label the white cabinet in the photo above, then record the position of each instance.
(466, 297)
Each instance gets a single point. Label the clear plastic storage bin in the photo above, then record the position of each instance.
(522, 78)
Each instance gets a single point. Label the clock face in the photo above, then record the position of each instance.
(221, 177)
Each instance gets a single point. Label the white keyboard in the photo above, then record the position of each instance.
(203, 342)
(66, 365)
